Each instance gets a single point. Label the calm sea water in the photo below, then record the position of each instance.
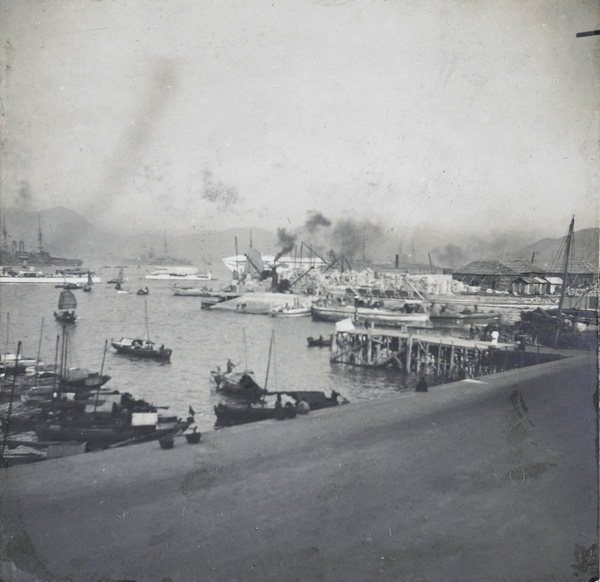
(200, 340)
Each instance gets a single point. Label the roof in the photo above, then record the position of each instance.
(522, 266)
(575, 268)
(485, 268)
(554, 280)
(528, 280)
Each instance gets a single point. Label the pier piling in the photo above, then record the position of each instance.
(449, 358)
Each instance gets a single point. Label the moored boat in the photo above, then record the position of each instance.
(188, 290)
(238, 384)
(89, 283)
(141, 348)
(10, 276)
(113, 419)
(299, 311)
(179, 274)
(320, 342)
(298, 402)
(120, 281)
(412, 312)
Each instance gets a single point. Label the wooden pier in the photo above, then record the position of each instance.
(445, 357)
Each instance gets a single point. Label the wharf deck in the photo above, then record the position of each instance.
(444, 357)
(429, 338)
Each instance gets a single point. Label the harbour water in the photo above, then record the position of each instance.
(200, 340)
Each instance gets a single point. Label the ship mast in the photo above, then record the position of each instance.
(564, 285)
(40, 246)
(4, 235)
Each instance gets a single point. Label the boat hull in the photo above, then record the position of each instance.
(190, 292)
(65, 317)
(48, 279)
(144, 353)
(360, 315)
(462, 319)
(319, 342)
(293, 312)
(98, 437)
(234, 415)
(179, 277)
(141, 350)
(230, 415)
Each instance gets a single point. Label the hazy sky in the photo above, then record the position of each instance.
(212, 114)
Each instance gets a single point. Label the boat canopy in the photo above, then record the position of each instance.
(67, 300)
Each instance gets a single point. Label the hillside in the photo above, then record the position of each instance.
(68, 234)
(550, 251)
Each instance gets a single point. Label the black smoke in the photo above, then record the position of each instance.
(451, 255)
(24, 197)
(357, 239)
(315, 220)
(286, 240)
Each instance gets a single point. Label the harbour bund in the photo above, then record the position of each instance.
(487, 479)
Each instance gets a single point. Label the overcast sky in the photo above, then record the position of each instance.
(181, 114)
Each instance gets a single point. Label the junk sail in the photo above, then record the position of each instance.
(67, 300)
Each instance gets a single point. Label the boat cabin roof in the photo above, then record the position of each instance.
(131, 341)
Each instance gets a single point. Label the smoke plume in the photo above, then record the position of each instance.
(24, 196)
(314, 220)
(352, 238)
(451, 255)
(286, 240)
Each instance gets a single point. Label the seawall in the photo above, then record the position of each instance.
(493, 479)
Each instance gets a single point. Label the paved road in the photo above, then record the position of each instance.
(474, 481)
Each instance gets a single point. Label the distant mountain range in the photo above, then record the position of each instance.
(550, 251)
(65, 233)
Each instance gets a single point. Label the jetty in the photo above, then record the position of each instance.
(449, 357)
